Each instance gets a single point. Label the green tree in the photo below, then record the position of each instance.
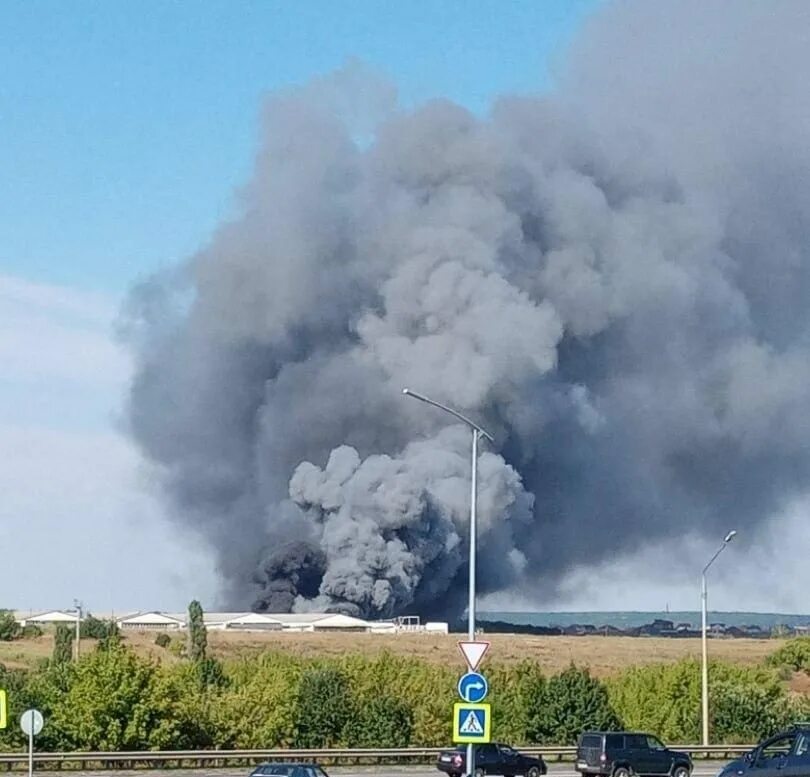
(109, 702)
(13, 681)
(384, 721)
(742, 713)
(571, 701)
(746, 703)
(325, 706)
(9, 628)
(186, 719)
(259, 707)
(517, 692)
(795, 654)
(197, 634)
(112, 639)
(664, 698)
(96, 628)
(62, 644)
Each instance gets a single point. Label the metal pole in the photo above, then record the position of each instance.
(704, 680)
(705, 666)
(473, 541)
(31, 746)
(476, 430)
(78, 628)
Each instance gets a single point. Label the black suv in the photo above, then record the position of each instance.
(491, 759)
(786, 753)
(624, 753)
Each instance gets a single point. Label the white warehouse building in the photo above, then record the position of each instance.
(241, 621)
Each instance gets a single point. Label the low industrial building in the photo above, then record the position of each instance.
(310, 622)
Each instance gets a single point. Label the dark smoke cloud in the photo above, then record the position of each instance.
(613, 279)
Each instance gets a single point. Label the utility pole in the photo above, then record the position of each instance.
(78, 607)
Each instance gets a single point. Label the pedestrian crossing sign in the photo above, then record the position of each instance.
(471, 723)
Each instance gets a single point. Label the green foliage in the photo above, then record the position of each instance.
(662, 698)
(324, 708)
(62, 644)
(9, 628)
(14, 682)
(794, 654)
(112, 638)
(384, 721)
(747, 703)
(258, 709)
(163, 640)
(197, 634)
(113, 699)
(570, 702)
(746, 713)
(108, 703)
(30, 631)
(515, 692)
(95, 628)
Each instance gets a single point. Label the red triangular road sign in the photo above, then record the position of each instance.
(473, 652)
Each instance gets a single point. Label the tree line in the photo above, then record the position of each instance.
(113, 699)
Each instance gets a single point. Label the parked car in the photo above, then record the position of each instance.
(287, 769)
(626, 753)
(786, 754)
(495, 758)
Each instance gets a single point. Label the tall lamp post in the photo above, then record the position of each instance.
(477, 432)
(705, 665)
(77, 608)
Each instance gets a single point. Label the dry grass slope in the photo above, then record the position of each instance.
(604, 655)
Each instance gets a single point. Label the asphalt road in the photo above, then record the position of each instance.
(702, 769)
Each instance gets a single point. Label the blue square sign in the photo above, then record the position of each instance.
(471, 723)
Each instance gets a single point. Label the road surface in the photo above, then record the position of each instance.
(702, 769)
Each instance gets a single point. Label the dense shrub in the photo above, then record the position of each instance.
(570, 702)
(95, 628)
(113, 699)
(9, 628)
(384, 721)
(794, 654)
(746, 703)
(324, 708)
(163, 640)
(62, 644)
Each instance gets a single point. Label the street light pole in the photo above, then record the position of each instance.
(704, 643)
(78, 607)
(477, 432)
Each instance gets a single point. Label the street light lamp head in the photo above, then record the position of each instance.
(730, 536)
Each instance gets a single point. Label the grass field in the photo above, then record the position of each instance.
(604, 655)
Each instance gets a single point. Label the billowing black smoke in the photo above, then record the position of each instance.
(614, 280)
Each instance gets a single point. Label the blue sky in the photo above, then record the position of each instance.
(126, 126)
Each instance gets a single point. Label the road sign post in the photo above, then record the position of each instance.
(3, 709)
(473, 652)
(31, 722)
(472, 723)
(473, 688)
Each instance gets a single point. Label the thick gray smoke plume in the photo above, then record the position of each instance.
(614, 280)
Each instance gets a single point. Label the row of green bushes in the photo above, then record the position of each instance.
(113, 699)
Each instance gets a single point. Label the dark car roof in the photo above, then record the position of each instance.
(286, 763)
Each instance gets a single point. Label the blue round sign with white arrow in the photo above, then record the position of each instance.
(473, 688)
